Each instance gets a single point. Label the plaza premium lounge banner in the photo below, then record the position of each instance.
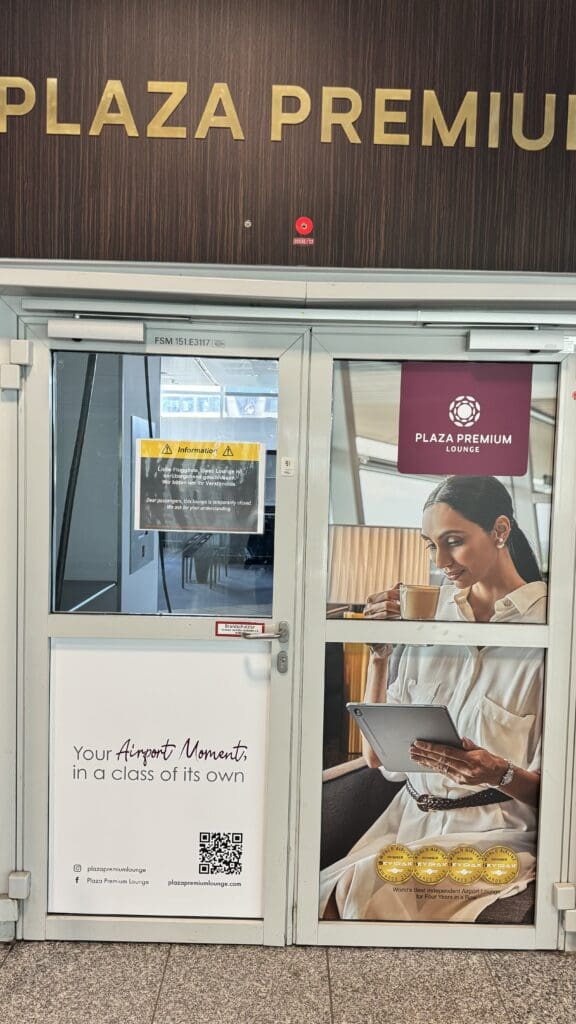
(391, 133)
(157, 795)
(438, 821)
(465, 418)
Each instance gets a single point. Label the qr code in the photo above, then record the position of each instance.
(221, 853)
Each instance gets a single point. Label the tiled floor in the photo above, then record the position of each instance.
(117, 983)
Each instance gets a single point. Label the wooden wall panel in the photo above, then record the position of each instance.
(114, 197)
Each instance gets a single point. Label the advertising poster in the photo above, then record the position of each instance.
(432, 752)
(157, 777)
(204, 486)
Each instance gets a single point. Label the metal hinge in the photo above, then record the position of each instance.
(565, 902)
(21, 351)
(10, 377)
(18, 889)
(21, 354)
(8, 909)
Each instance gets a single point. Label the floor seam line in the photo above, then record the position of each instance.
(161, 985)
(510, 1016)
(8, 951)
(330, 1000)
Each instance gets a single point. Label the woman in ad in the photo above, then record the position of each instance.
(484, 794)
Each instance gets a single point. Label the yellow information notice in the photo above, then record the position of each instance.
(224, 451)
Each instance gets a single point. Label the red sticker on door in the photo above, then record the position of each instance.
(233, 627)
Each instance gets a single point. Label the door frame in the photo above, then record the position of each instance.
(9, 748)
(34, 289)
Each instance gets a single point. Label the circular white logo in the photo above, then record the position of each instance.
(464, 411)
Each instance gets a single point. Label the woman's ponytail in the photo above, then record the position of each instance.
(522, 554)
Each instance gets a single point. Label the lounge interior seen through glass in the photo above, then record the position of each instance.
(104, 405)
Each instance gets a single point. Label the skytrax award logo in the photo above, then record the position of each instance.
(467, 418)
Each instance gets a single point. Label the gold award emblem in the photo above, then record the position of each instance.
(466, 865)
(430, 864)
(501, 865)
(395, 863)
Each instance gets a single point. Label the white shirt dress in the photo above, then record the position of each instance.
(495, 696)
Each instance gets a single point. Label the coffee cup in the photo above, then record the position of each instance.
(418, 601)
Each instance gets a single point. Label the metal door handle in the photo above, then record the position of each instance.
(282, 635)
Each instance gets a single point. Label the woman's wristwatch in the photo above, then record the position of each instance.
(508, 776)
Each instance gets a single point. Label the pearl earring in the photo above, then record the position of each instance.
(499, 543)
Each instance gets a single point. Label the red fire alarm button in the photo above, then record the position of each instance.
(304, 226)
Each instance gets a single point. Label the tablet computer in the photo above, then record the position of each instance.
(391, 728)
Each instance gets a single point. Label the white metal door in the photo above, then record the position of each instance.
(46, 628)
(334, 478)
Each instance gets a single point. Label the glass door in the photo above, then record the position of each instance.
(437, 646)
(160, 562)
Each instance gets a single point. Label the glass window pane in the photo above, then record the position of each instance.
(377, 511)
(208, 547)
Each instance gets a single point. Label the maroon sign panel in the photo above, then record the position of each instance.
(465, 419)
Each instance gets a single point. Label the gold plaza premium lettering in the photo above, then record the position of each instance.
(390, 122)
